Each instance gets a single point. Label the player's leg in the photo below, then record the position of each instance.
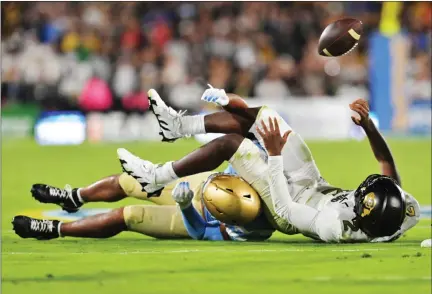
(103, 225)
(207, 158)
(162, 222)
(109, 189)
(297, 156)
(230, 123)
(71, 199)
(134, 189)
(176, 125)
(150, 220)
(298, 161)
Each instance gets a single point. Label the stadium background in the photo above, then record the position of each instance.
(76, 73)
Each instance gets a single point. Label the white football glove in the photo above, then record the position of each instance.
(183, 195)
(216, 96)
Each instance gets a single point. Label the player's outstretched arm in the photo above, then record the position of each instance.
(377, 142)
(195, 225)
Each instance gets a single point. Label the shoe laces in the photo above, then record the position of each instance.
(61, 193)
(178, 115)
(175, 113)
(43, 226)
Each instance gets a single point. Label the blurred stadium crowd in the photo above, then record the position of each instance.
(62, 54)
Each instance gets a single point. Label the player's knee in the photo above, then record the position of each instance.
(125, 182)
(133, 215)
(229, 144)
(114, 181)
(253, 112)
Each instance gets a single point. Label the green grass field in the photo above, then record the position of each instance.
(132, 263)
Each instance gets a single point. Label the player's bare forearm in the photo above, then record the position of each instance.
(381, 151)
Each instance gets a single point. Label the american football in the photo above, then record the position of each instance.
(340, 37)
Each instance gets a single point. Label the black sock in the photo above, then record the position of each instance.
(56, 224)
(75, 197)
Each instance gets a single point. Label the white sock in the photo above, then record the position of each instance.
(192, 125)
(58, 228)
(79, 196)
(165, 174)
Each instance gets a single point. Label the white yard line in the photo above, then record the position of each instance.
(367, 279)
(143, 252)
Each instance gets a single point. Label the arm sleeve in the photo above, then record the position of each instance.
(198, 228)
(324, 224)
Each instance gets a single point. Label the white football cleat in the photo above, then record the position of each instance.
(169, 120)
(142, 170)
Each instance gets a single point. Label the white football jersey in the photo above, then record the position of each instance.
(341, 203)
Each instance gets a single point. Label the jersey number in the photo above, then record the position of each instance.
(353, 225)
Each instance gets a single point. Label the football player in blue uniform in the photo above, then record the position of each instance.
(186, 209)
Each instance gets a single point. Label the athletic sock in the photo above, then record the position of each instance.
(165, 174)
(59, 229)
(76, 196)
(192, 125)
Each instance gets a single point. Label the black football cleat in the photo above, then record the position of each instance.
(66, 198)
(41, 229)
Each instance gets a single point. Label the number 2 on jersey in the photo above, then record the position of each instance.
(353, 225)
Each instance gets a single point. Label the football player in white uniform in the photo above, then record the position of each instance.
(296, 198)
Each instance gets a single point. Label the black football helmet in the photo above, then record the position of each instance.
(379, 206)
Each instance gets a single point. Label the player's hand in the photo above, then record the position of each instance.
(183, 195)
(361, 106)
(216, 96)
(273, 140)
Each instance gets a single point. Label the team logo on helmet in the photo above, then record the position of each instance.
(369, 203)
(410, 211)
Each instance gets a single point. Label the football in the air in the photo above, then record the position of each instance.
(340, 37)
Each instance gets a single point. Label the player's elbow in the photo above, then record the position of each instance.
(283, 212)
(280, 210)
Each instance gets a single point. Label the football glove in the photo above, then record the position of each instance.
(183, 195)
(216, 96)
